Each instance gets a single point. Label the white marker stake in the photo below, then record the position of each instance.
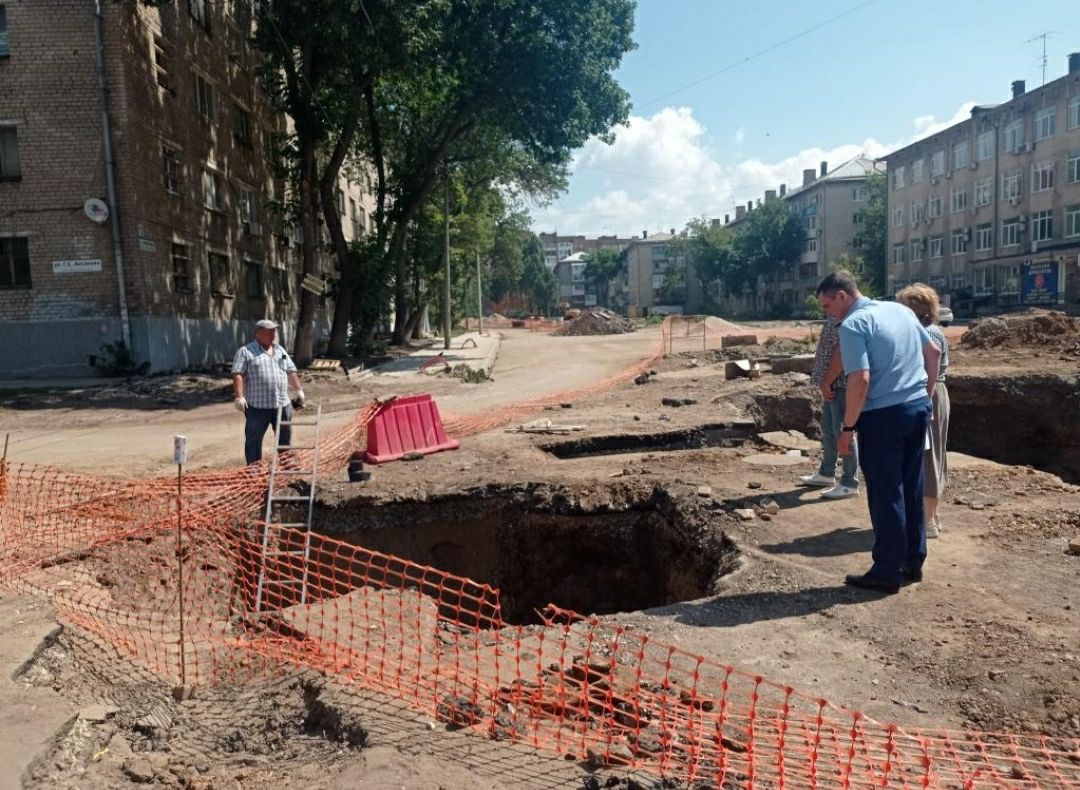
(180, 458)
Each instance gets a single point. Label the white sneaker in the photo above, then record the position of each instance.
(816, 480)
(839, 492)
(933, 528)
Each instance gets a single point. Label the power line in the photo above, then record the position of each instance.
(759, 53)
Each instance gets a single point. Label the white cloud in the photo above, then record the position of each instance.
(662, 171)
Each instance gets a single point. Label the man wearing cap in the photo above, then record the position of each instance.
(262, 374)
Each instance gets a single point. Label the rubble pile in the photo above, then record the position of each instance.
(1031, 328)
(597, 321)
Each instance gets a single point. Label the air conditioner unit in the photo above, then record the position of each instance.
(817, 232)
(1030, 147)
(1034, 246)
(967, 234)
(973, 166)
(253, 228)
(948, 175)
(934, 181)
(1014, 201)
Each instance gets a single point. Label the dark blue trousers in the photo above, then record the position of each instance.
(891, 442)
(255, 424)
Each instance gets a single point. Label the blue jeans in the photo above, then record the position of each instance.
(255, 424)
(892, 441)
(832, 420)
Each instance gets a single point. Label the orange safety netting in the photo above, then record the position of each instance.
(108, 554)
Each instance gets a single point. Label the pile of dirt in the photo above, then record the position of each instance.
(1043, 328)
(597, 321)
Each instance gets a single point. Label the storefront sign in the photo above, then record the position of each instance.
(1039, 282)
(76, 267)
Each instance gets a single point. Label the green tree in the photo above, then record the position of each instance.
(709, 248)
(874, 233)
(858, 266)
(526, 81)
(537, 283)
(602, 265)
(769, 241)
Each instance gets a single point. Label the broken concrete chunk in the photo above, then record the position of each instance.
(1074, 546)
(704, 491)
(95, 714)
(746, 513)
(139, 770)
(788, 440)
(727, 341)
(801, 363)
(770, 507)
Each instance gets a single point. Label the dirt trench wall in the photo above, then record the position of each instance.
(1030, 419)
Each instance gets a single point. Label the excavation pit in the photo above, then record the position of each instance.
(723, 434)
(592, 552)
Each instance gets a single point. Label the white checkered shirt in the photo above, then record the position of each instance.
(266, 381)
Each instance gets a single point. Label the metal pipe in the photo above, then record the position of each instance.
(479, 299)
(446, 261)
(110, 176)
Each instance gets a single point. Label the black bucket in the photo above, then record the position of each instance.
(357, 473)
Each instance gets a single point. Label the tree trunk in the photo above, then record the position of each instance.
(339, 331)
(304, 349)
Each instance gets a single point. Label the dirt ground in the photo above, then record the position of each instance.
(989, 641)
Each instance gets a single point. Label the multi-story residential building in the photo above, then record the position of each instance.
(829, 204)
(573, 290)
(988, 210)
(557, 247)
(158, 226)
(655, 280)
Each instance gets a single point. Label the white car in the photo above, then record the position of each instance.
(945, 316)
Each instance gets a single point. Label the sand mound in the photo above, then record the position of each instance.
(597, 321)
(1046, 328)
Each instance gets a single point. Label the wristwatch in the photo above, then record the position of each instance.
(848, 429)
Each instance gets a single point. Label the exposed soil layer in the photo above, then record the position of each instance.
(1031, 329)
(725, 434)
(612, 550)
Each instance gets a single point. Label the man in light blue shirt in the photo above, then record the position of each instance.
(262, 373)
(891, 367)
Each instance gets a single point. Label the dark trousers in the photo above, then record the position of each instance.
(255, 425)
(891, 442)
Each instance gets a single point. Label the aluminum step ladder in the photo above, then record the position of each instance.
(274, 552)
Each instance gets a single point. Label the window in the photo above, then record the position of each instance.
(219, 274)
(959, 239)
(241, 126)
(917, 250)
(181, 269)
(984, 146)
(856, 218)
(984, 237)
(339, 202)
(247, 206)
(918, 211)
(354, 218)
(984, 280)
(161, 63)
(1045, 123)
(917, 171)
(659, 253)
(811, 222)
(171, 169)
(4, 51)
(898, 177)
(1010, 279)
(960, 155)
(957, 281)
(1072, 221)
(1014, 136)
(810, 245)
(959, 199)
(14, 264)
(241, 14)
(935, 247)
(199, 12)
(1011, 187)
(898, 216)
(937, 164)
(933, 207)
(857, 242)
(204, 99)
(1042, 226)
(898, 253)
(1072, 168)
(984, 191)
(858, 194)
(9, 154)
(279, 284)
(211, 190)
(1042, 176)
(253, 281)
(1010, 232)
(1074, 111)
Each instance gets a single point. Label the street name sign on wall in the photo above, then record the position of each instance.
(1039, 282)
(76, 267)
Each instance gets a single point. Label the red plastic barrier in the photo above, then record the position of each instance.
(406, 425)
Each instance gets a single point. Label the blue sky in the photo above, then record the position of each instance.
(884, 73)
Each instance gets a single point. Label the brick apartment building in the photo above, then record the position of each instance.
(988, 210)
(557, 247)
(656, 281)
(199, 253)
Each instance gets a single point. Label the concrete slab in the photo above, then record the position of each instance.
(478, 352)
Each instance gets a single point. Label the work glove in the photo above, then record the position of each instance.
(241, 404)
(299, 400)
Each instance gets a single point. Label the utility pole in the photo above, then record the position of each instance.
(446, 263)
(479, 297)
(1044, 35)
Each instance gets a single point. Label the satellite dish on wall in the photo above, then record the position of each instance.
(96, 210)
